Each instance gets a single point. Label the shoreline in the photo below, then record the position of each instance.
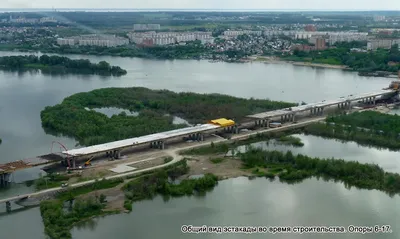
(275, 60)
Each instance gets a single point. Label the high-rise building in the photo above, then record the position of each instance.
(320, 44)
(310, 28)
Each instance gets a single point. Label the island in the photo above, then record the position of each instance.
(368, 128)
(155, 109)
(59, 65)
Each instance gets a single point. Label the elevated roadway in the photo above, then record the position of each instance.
(319, 106)
(113, 149)
(173, 153)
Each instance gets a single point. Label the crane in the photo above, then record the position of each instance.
(87, 163)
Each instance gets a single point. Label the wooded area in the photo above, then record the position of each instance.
(60, 65)
(155, 107)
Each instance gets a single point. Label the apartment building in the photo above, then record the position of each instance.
(166, 38)
(382, 43)
(332, 37)
(146, 27)
(238, 33)
(94, 40)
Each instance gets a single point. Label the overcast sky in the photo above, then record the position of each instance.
(210, 4)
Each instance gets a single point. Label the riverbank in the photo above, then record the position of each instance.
(277, 60)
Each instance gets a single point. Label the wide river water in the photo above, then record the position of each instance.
(233, 202)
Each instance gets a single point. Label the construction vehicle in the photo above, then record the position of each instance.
(88, 163)
(394, 85)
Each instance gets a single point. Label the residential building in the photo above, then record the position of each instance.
(94, 40)
(165, 38)
(320, 44)
(382, 43)
(379, 18)
(146, 27)
(48, 20)
(310, 28)
(238, 33)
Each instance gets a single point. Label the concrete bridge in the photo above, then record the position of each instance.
(198, 132)
(289, 114)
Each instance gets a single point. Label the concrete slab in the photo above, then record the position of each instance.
(123, 168)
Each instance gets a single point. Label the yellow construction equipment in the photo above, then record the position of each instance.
(222, 122)
(87, 163)
(394, 85)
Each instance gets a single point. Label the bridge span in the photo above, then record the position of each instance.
(158, 140)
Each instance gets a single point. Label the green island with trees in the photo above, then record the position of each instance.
(59, 65)
(156, 110)
(366, 128)
(292, 168)
(295, 168)
(381, 60)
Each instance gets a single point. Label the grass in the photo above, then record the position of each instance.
(217, 160)
(291, 140)
(101, 184)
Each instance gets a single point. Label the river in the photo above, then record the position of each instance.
(24, 95)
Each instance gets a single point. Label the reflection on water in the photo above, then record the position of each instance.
(315, 146)
(110, 111)
(259, 202)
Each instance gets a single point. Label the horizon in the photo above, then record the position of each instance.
(199, 9)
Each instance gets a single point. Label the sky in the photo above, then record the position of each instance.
(210, 4)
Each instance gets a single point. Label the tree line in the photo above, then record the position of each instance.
(350, 133)
(299, 167)
(60, 64)
(90, 127)
(387, 124)
(360, 61)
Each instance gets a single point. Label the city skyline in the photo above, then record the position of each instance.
(288, 5)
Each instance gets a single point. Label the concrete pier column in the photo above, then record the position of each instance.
(202, 137)
(8, 206)
(118, 154)
(268, 120)
(282, 118)
(73, 163)
(374, 100)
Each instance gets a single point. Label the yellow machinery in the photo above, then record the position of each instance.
(222, 122)
(87, 163)
(394, 85)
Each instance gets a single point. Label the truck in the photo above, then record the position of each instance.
(275, 124)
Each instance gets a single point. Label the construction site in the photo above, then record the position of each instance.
(151, 150)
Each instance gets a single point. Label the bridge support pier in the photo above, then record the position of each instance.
(160, 144)
(8, 206)
(261, 123)
(4, 179)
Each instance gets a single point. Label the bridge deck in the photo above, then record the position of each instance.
(22, 164)
(277, 113)
(140, 140)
